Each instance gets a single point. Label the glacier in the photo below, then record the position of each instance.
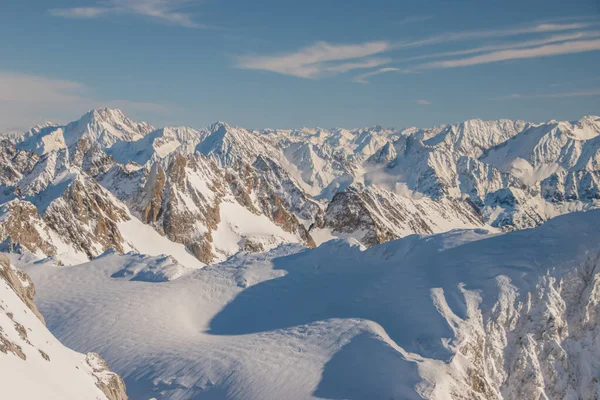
(464, 314)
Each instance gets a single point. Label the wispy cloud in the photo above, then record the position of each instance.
(493, 33)
(423, 102)
(589, 17)
(324, 59)
(507, 46)
(320, 59)
(349, 66)
(164, 11)
(26, 100)
(514, 54)
(560, 95)
(362, 78)
(80, 12)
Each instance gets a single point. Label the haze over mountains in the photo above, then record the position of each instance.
(228, 263)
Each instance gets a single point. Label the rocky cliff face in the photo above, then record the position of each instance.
(182, 201)
(33, 362)
(109, 383)
(375, 216)
(15, 163)
(86, 217)
(182, 197)
(75, 212)
(20, 282)
(21, 225)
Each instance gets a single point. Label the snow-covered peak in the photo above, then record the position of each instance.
(472, 137)
(105, 126)
(40, 127)
(559, 143)
(105, 114)
(586, 128)
(218, 125)
(229, 144)
(385, 155)
(158, 145)
(100, 127)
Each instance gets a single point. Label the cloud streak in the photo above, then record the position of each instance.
(561, 95)
(323, 59)
(508, 46)
(495, 53)
(164, 11)
(320, 59)
(570, 47)
(363, 78)
(492, 33)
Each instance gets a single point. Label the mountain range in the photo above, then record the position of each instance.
(455, 262)
(77, 190)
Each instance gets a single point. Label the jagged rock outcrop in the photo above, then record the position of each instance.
(152, 204)
(14, 163)
(108, 382)
(21, 225)
(375, 216)
(20, 282)
(91, 158)
(86, 217)
(182, 201)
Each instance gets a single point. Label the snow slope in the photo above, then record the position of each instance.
(146, 240)
(464, 314)
(33, 363)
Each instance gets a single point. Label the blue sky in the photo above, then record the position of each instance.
(283, 64)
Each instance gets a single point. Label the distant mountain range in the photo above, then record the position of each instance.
(74, 191)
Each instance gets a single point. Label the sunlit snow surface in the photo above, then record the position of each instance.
(332, 322)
